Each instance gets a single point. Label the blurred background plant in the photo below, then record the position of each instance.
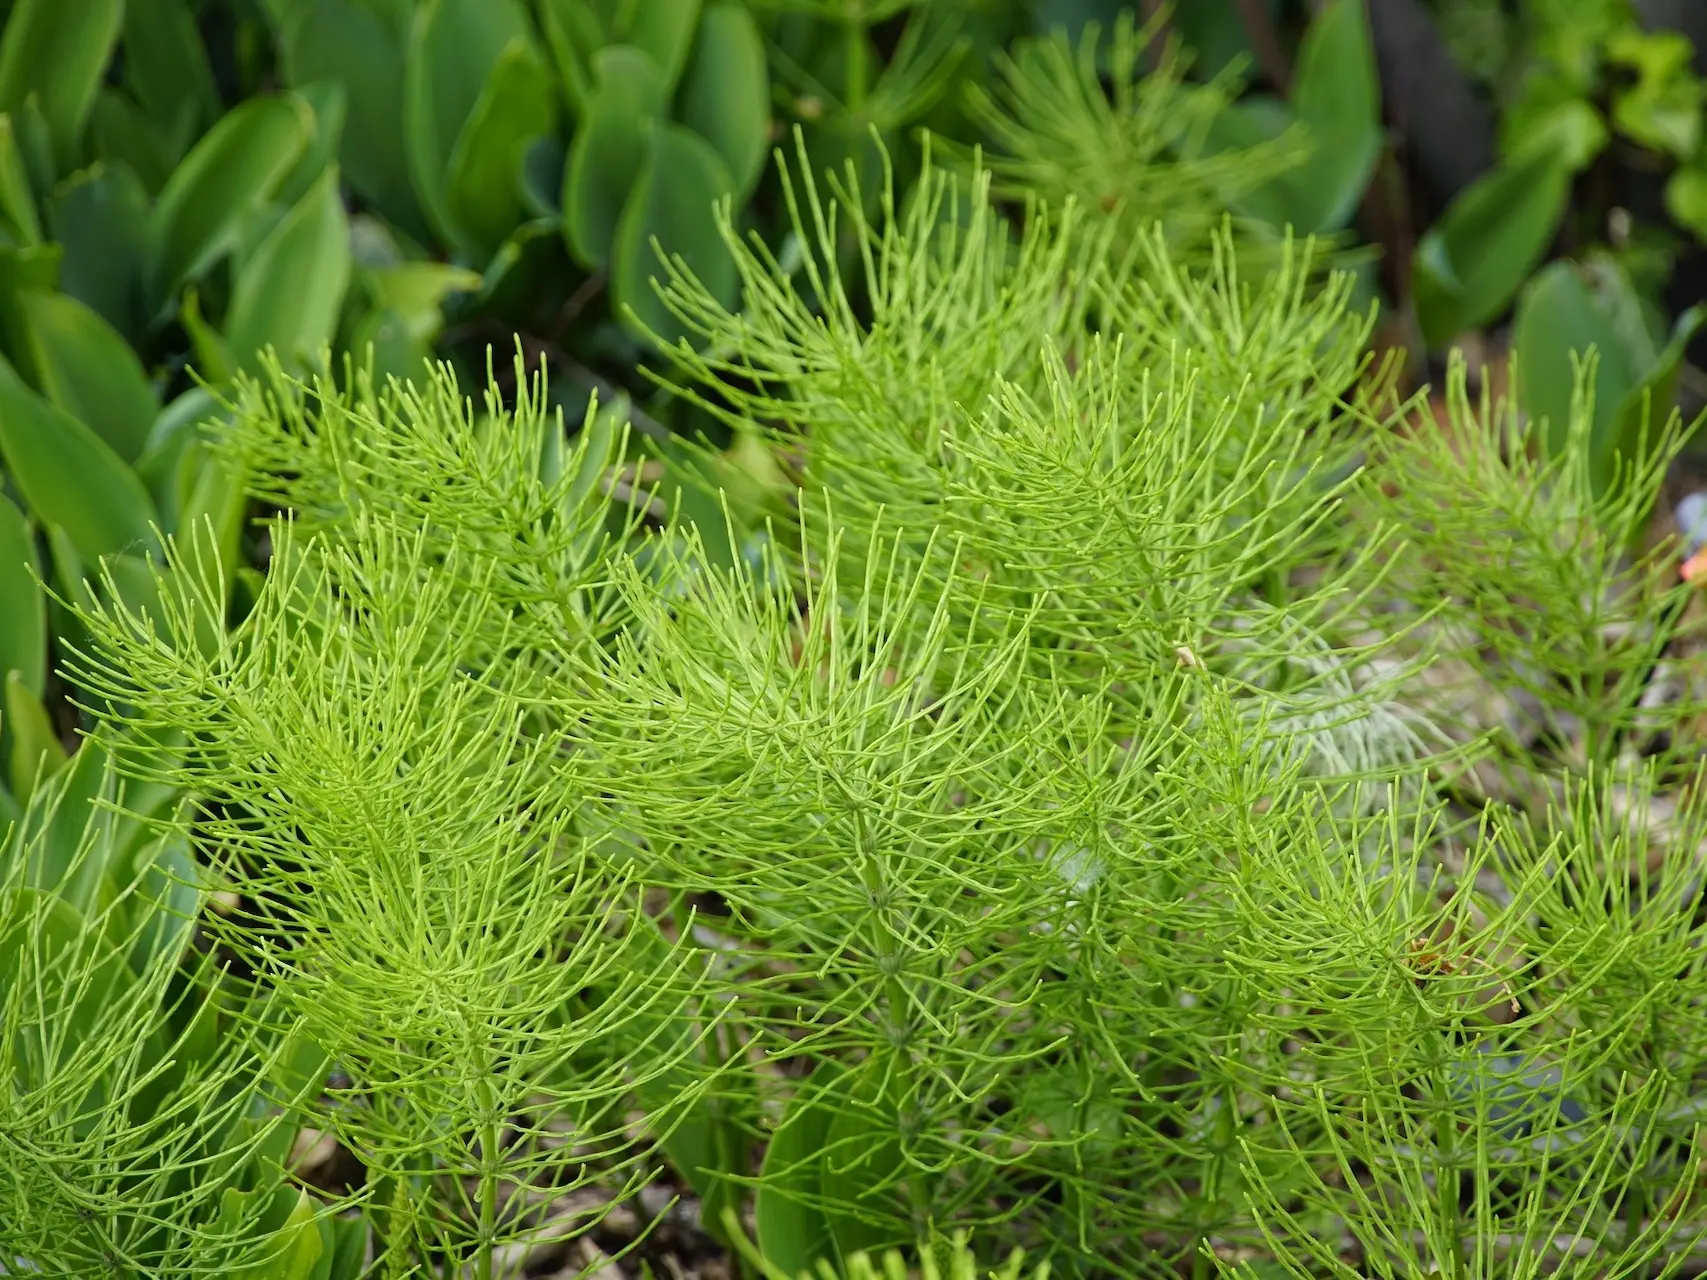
(185, 184)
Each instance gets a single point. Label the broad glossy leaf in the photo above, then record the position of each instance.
(299, 1245)
(70, 476)
(257, 226)
(452, 49)
(68, 837)
(344, 1244)
(20, 270)
(234, 168)
(1213, 32)
(608, 151)
(1472, 262)
(212, 357)
(1337, 97)
(1647, 405)
(543, 165)
(291, 290)
(88, 369)
(590, 23)
(58, 52)
(174, 434)
(1569, 310)
(348, 43)
(385, 341)
(705, 1146)
(166, 66)
(725, 95)
(122, 132)
(68, 576)
(100, 218)
(1550, 115)
(300, 1070)
(1662, 109)
(37, 752)
(562, 22)
(664, 30)
(174, 424)
(792, 1230)
(531, 265)
(697, 1130)
(1251, 122)
(117, 812)
(23, 607)
(483, 193)
(329, 103)
(670, 212)
(848, 65)
(17, 201)
(1686, 198)
(1560, 315)
(133, 581)
(1071, 1106)
(282, 1222)
(1576, 46)
(190, 1032)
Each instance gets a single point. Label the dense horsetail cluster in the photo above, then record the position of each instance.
(1057, 797)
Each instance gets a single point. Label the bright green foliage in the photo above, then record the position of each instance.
(390, 179)
(1143, 152)
(435, 918)
(951, 1260)
(1568, 310)
(140, 1127)
(1047, 824)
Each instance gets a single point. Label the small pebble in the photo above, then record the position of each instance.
(1691, 517)
(654, 1199)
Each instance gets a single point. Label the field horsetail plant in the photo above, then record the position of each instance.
(1063, 781)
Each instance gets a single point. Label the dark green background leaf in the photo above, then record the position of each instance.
(1472, 262)
(452, 51)
(345, 42)
(1338, 99)
(58, 50)
(70, 476)
(671, 203)
(88, 369)
(725, 94)
(483, 196)
(100, 217)
(291, 289)
(609, 150)
(233, 169)
(23, 608)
